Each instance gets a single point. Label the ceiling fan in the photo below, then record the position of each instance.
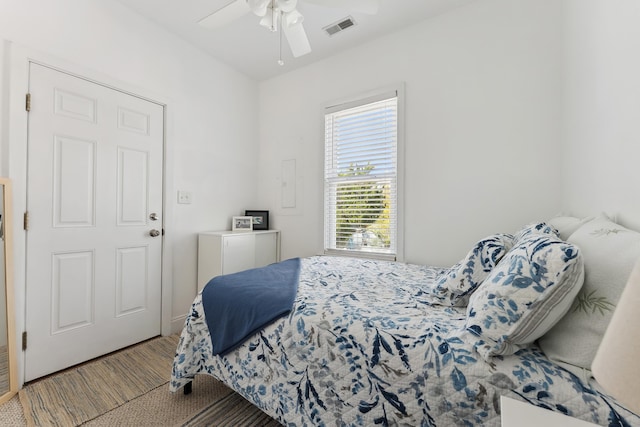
(283, 14)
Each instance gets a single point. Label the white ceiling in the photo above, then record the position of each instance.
(254, 50)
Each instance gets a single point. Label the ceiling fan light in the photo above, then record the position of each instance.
(287, 5)
(270, 21)
(292, 18)
(259, 7)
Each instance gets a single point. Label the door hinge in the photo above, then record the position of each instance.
(27, 104)
(24, 340)
(25, 221)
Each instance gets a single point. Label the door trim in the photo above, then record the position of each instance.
(16, 81)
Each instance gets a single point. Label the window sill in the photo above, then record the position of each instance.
(361, 254)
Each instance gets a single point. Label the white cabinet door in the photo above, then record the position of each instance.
(238, 253)
(266, 251)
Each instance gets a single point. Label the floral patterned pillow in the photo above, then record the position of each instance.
(536, 228)
(454, 286)
(525, 295)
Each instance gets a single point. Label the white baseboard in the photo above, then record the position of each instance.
(177, 323)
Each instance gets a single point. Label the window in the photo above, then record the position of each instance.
(361, 177)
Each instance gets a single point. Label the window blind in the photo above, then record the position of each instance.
(361, 146)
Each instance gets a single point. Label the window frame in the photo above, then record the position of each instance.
(397, 90)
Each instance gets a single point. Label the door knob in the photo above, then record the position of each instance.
(154, 233)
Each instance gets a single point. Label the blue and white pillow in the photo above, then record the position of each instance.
(456, 284)
(535, 228)
(525, 295)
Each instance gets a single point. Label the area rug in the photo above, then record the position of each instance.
(231, 410)
(160, 407)
(82, 393)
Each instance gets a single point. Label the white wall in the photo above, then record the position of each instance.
(212, 111)
(514, 110)
(482, 124)
(602, 109)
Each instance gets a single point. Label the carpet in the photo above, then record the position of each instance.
(162, 408)
(87, 391)
(129, 388)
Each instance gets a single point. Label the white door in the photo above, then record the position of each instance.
(94, 186)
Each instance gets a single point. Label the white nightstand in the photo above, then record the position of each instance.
(520, 414)
(226, 252)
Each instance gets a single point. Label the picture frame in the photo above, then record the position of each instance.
(242, 223)
(260, 219)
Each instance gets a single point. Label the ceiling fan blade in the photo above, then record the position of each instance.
(297, 38)
(369, 7)
(225, 15)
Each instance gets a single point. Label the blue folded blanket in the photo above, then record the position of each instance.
(237, 305)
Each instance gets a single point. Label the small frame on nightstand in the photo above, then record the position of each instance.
(260, 219)
(242, 223)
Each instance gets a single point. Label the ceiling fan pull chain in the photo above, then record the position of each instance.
(280, 61)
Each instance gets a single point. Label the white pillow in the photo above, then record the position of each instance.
(567, 225)
(610, 252)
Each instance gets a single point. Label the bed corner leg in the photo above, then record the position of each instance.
(188, 387)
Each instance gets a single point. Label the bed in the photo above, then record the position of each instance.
(374, 342)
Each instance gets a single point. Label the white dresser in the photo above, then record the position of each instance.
(226, 252)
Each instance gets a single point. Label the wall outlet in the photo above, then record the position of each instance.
(184, 197)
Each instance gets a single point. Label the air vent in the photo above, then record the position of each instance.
(341, 25)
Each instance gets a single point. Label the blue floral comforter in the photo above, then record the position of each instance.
(364, 344)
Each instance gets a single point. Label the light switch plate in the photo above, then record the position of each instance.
(184, 197)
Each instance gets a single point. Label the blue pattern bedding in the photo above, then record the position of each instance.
(365, 344)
